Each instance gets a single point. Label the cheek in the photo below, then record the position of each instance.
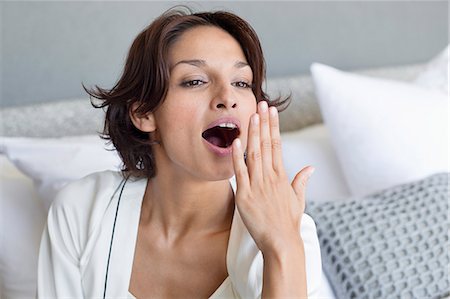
(251, 109)
(175, 114)
(176, 122)
(248, 107)
(247, 114)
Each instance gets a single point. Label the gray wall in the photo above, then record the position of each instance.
(49, 48)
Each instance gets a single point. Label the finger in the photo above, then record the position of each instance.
(266, 144)
(277, 155)
(240, 169)
(300, 181)
(254, 151)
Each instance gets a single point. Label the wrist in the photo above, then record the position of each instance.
(284, 249)
(285, 272)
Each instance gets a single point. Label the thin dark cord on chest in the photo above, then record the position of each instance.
(123, 182)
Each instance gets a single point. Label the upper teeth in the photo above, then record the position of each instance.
(227, 125)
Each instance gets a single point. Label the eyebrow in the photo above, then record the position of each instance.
(202, 63)
(194, 62)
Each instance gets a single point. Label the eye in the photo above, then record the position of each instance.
(192, 83)
(242, 84)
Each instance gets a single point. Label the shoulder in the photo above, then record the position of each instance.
(80, 194)
(79, 207)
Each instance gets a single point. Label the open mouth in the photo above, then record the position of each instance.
(221, 135)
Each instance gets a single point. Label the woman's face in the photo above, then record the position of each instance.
(208, 104)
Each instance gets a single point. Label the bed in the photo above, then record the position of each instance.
(378, 139)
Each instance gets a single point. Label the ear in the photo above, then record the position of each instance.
(145, 123)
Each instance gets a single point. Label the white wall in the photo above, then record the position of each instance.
(49, 48)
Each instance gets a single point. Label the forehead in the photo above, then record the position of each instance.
(206, 42)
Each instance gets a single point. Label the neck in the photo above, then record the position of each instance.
(182, 206)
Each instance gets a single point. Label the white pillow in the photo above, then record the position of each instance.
(312, 146)
(8, 170)
(22, 219)
(435, 75)
(384, 132)
(49, 164)
(53, 162)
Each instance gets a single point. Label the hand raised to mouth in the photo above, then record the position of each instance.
(271, 208)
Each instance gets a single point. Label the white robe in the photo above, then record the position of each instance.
(76, 241)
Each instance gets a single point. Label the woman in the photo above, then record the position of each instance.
(171, 225)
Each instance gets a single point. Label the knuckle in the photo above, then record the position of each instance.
(266, 144)
(272, 180)
(245, 200)
(264, 119)
(303, 182)
(254, 132)
(240, 173)
(281, 173)
(276, 144)
(255, 155)
(243, 194)
(274, 124)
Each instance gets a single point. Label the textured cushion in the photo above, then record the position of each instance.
(392, 244)
(303, 109)
(385, 132)
(72, 117)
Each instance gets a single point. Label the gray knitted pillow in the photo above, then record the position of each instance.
(393, 244)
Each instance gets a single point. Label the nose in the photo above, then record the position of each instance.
(223, 97)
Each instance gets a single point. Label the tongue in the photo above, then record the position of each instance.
(215, 140)
(221, 137)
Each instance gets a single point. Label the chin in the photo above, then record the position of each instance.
(224, 177)
(222, 174)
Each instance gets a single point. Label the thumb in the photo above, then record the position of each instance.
(301, 179)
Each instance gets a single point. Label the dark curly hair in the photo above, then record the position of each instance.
(145, 78)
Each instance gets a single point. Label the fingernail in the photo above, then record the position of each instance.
(311, 172)
(264, 106)
(273, 111)
(238, 143)
(255, 119)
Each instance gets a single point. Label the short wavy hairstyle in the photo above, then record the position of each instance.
(145, 81)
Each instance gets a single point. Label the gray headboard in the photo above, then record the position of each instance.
(48, 48)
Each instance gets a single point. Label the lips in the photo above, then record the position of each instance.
(221, 133)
